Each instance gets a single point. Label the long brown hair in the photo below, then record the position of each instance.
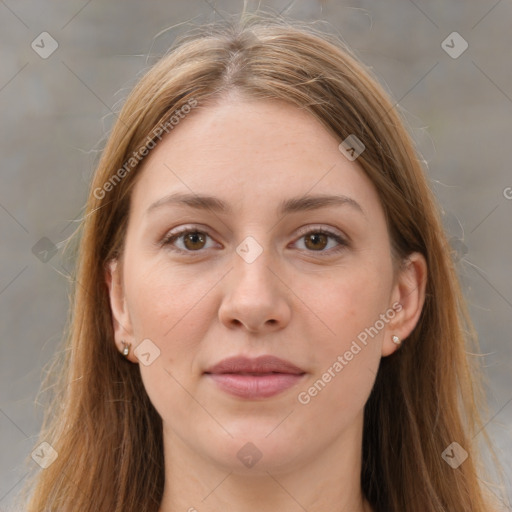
(106, 432)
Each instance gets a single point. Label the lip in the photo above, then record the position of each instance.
(254, 378)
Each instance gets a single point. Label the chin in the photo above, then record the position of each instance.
(253, 451)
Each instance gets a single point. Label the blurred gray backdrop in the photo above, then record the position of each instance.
(67, 66)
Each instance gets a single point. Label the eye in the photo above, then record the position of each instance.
(187, 240)
(320, 240)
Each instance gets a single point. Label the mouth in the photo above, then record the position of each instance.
(257, 378)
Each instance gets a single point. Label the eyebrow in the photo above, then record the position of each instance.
(292, 205)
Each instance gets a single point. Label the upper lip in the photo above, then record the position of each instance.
(259, 365)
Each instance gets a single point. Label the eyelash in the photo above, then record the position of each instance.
(172, 237)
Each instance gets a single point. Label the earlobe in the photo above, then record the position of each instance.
(120, 318)
(409, 292)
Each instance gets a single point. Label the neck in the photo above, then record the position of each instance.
(327, 481)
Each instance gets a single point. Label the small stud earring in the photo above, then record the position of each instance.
(396, 340)
(126, 349)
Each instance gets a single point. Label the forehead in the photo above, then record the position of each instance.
(250, 151)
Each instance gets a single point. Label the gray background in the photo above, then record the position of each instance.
(55, 111)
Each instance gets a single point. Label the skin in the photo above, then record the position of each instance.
(298, 300)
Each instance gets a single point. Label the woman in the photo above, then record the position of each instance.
(266, 315)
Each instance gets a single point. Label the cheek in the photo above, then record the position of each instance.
(352, 305)
(164, 302)
(171, 308)
(175, 309)
(353, 301)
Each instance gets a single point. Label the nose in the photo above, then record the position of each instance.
(255, 297)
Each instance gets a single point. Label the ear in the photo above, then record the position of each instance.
(120, 316)
(408, 297)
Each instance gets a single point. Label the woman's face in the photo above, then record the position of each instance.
(287, 255)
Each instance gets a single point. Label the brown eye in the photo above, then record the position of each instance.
(321, 241)
(194, 240)
(188, 240)
(316, 241)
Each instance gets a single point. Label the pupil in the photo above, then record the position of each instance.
(318, 240)
(195, 238)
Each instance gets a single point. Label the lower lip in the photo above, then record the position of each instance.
(255, 386)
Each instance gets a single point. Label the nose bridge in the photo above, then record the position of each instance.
(251, 263)
(254, 297)
(251, 250)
